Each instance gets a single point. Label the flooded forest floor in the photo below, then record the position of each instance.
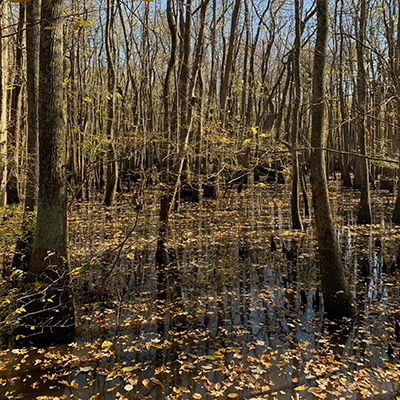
(241, 319)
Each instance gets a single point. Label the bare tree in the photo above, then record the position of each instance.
(338, 300)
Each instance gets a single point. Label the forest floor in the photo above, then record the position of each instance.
(239, 320)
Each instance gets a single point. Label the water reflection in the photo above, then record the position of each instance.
(238, 319)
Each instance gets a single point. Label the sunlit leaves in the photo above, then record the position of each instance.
(81, 23)
(128, 387)
(246, 141)
(146, 383)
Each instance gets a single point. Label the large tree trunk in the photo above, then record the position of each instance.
(52, 320)
(3, 101)
(338, 300)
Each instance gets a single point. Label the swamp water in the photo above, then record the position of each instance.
(239, 321)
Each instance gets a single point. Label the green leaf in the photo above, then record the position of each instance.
(131, 368)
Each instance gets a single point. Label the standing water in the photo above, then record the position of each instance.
(239, 320)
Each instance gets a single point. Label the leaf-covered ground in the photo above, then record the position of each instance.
(239, 320)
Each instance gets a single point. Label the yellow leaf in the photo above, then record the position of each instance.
(47, 28)
(246, 142)
(106, 344)
(197, 396)
(85, 23)
(145, 383)
(301, 388)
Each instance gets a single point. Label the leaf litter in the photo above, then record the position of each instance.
(239, 320)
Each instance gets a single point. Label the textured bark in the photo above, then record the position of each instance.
(32, 86)
(24, 246)
(3, 101)
(338, 300)
(49, 262)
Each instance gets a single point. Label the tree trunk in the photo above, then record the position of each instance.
(50, 321)
(295, 205)
(15, 115)
(338, 300)
(396, 78)
(23, 248)
(3, 101)
(364, 207)
(112, 164)
(228, 63)
(162, 256)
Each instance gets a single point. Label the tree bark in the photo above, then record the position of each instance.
(364, 207)
(338, 300)
(396, 79)
(3, 101)
(16, 114)
(23, 248)
(112, 164)
(228, 63)
(47, 322)
(295, 205)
